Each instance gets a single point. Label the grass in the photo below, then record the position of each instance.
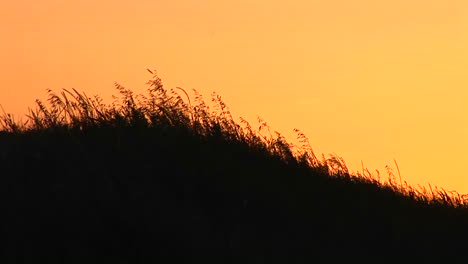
(163, 177)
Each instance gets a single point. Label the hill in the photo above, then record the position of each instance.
(158, 178)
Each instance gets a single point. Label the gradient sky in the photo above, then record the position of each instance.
(369, 80)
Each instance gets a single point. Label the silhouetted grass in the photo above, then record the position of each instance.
(161, 177)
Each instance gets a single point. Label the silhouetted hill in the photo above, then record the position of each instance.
(155, 178)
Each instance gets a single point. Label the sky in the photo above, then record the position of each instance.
(371, 81)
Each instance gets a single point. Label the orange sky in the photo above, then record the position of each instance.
(369, 80)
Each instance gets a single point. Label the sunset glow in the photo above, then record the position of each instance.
(371, 81)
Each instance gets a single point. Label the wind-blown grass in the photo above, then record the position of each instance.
(162, 175)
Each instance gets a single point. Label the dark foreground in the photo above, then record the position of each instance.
(145, 185)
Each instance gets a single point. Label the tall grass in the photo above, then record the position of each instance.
(166, 109)
(165, 173)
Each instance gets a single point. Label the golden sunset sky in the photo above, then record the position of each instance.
(369, 80)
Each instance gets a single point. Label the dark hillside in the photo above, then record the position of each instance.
(156, 178)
